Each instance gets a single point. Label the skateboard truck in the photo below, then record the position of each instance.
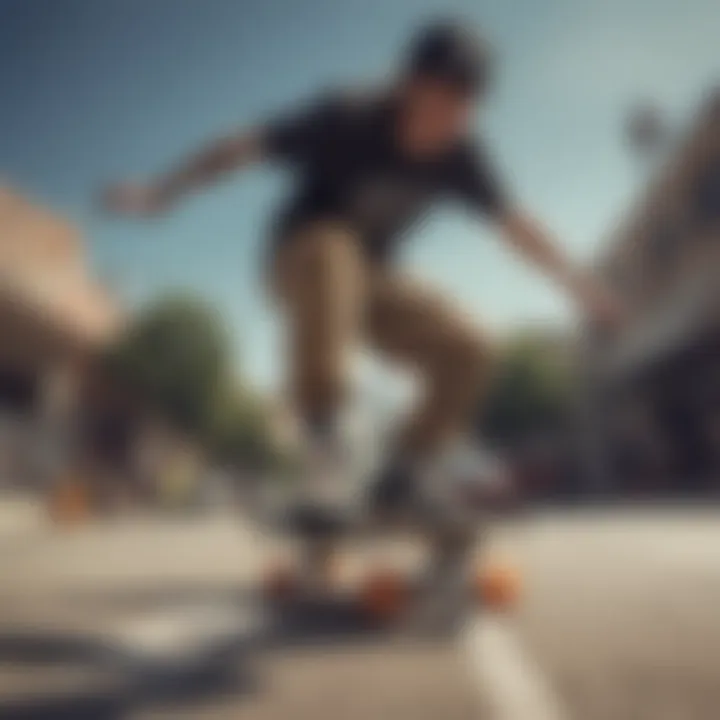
(385, 596)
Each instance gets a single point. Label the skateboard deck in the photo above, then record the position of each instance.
(306, 580)
(384, 593)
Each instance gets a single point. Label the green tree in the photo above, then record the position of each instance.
(532, 389)
(239, 430)
(175, 354)
(242, 432)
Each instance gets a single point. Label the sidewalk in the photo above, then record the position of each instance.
(19, 514)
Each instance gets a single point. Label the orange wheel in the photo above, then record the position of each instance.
(280, 583)
(69, 504)
(498, 586)
(384, 595)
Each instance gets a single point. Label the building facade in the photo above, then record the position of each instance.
(653, 390)
(54, 317)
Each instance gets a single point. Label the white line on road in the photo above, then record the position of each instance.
(189, 630)
(510, 685)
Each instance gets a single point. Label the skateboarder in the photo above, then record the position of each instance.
(367, 165)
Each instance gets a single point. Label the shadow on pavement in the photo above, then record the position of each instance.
(75, 676)
(52, 675)
(66, 677)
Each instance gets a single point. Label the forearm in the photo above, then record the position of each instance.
(531, 241)
(209, 165)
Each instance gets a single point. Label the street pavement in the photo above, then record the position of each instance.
(618, 621)
(19, 514)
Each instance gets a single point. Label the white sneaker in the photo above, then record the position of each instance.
(318, 504)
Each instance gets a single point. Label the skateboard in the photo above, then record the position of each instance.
(307, 583)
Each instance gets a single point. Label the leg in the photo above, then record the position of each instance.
(422, 329)
(320, 281)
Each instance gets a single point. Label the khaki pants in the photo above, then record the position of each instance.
(334, 300)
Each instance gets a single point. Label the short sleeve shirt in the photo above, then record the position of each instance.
(348, 167)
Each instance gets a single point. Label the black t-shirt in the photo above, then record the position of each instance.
(349, 167)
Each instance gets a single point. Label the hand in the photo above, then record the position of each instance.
(135, 200)
(603, 308)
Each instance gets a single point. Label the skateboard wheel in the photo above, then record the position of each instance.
(70, 504)
(384, 595)
(280, 583)
(497, 586)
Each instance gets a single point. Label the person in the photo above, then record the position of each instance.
(368, 164)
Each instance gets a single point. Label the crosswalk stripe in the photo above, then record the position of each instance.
(510, 685)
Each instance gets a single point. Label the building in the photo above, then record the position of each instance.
(54, 316)
(63, 413)
(653, 405)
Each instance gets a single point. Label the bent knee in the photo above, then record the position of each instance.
(471, 347)
(319, 268)
(468, 356)
(326, 247)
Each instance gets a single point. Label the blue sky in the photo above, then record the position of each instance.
(93, 90)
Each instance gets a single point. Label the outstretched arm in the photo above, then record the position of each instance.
(525, 235)
(476, 181)
(217, 159)
(290, 138)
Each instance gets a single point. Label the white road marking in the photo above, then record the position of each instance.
(181, 631)
(510, 685)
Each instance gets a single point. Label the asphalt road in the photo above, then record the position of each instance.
(619, 621)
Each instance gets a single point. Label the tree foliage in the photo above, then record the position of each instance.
(240, 429)
(175, 354)
(532, 390)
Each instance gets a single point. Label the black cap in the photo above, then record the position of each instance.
(453, 53)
